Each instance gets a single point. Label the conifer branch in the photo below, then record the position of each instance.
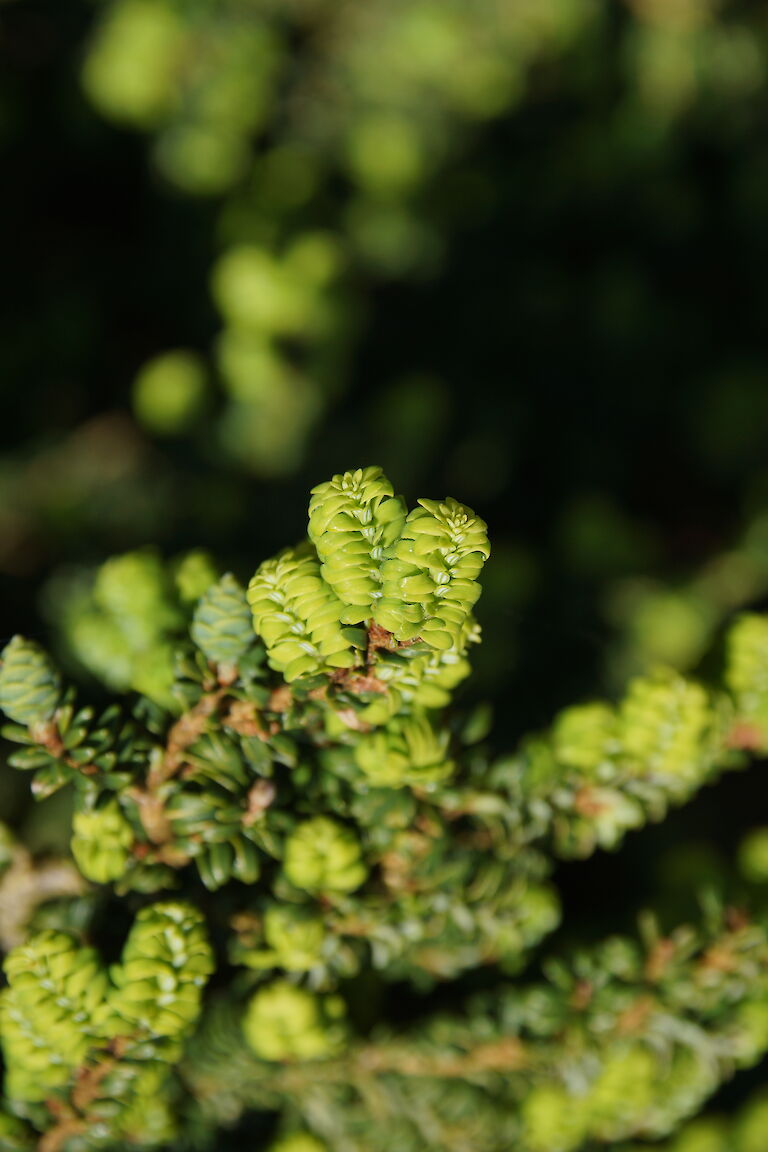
(293, 748)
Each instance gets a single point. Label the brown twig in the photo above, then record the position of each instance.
(378, 637)
(658, 959)
(245, 718)
(187, 729)
(260, 796)
(149, 799)
(48, 736)
(506, 1054)
(71, 1116)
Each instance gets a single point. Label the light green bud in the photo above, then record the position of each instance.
(747, 665)
(194, 574)
(50, 1013)
(322, 855)
(622, 1093)
(746, 672)
(297, 616)
(222, 626)
(354, 520)
(283, 1022)
(663, 725)
(165, 965)
(430, 583)
(407, 751)
(295, 935)
(585, 736)
(552, 1120)
(101, 842)
(30, 687)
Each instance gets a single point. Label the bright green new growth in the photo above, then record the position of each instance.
(553, 1118)
(663, 724)
(298, 617)
(62, 1015)
(166, 963)
(434, 570)
(101, 842)
(748, 672)
(50, 1014)
(586, 735)
(30, 687)
(354, 521)
(283, 1022)
(413, 575)
(294, 936)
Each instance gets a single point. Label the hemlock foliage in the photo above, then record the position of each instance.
(293, 823)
